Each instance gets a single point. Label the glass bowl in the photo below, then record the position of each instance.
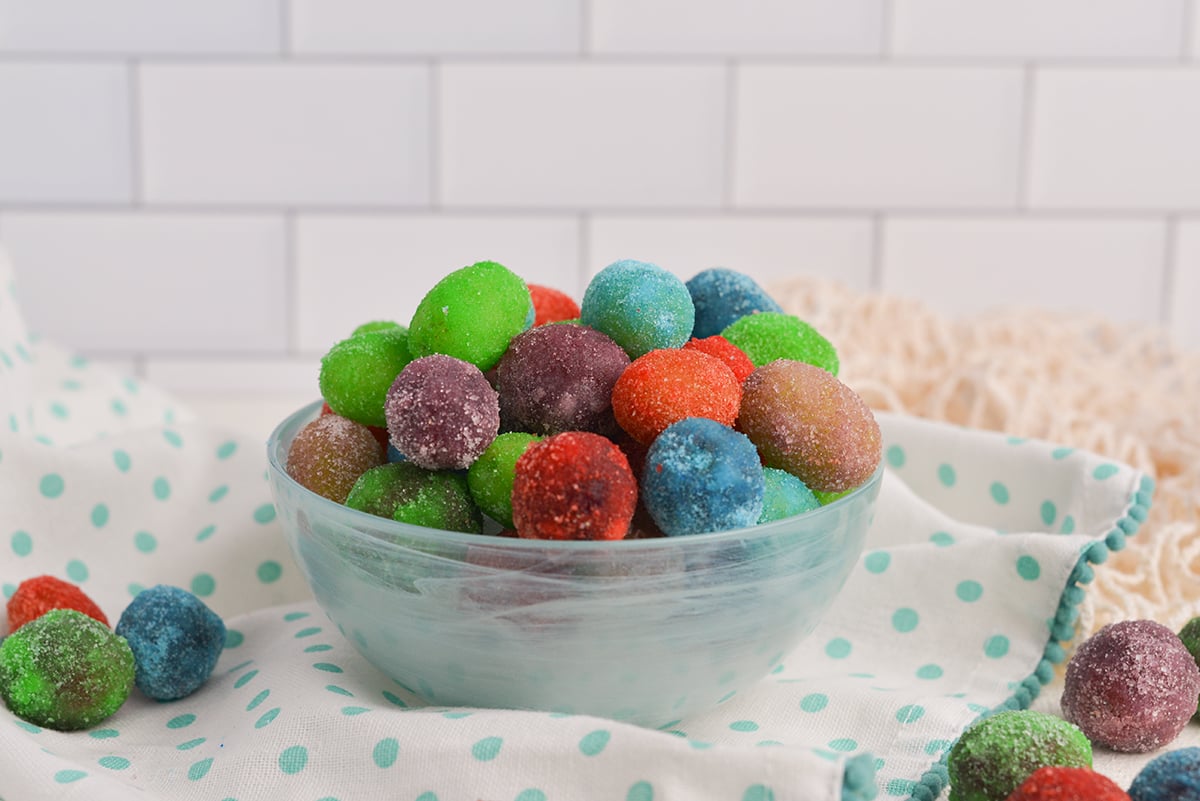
(646, 631)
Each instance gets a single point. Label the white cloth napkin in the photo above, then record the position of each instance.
(980, 551)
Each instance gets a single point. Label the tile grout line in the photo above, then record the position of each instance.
(743, 211)
(878, 234)
(285, 29)
(137, 190)
(887, 30)
(1190, 9)
(585, 243)
(291, 286)
(1169, 268)
(813, 60)
(585, 28)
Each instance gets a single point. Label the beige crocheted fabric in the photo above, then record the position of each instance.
(1120, 390)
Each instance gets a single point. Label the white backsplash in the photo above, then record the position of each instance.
(213, 191)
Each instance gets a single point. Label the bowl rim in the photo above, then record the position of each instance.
(306, 414)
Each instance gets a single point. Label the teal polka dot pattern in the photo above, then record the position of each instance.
(77, 571)
(912, 584)
(269, 571)
(68, 776)
(487, 749)
(996, 647)
(181, 721)
(203, 585)
(814, 702)
(838, 648)
(594, 742)
(930, 672)
(969, 591)
(22, 543)
(52, 485)
(999, 492)
(1105, 471)
(947, 475)
(905, 620)
(162, 488)
(385, 752)
(758, 792)
(877, 562)
(267, 718)
(1028, 568)
(640, 791)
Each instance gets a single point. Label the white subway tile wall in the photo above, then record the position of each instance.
(465, 27)
(285, 134)
(580, 135)
(214, 193)
(1111, 267)
(877, 137)
(1054, 30)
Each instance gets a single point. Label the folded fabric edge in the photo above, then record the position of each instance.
(935, 780)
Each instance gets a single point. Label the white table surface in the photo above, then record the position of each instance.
(256, 416)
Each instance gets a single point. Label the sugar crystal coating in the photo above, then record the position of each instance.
(573, 486)
(701, 476)
(724, 296)
(490, 478)
(551, 305)
(1132, 686)
(356, 373)
(176, 641)
(640, 305)
(329, 454)
(442, 413)
(1173, 776)
(559, 378)
(769, 336)
(807, 422)
(720, 347)
(992, 757)
(784, 495)
(407, 493)
(665, 386)
(65, 671)
(1054, 783)
(36, 596)
(472, 314)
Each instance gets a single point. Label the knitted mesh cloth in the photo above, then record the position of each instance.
(1121, 390)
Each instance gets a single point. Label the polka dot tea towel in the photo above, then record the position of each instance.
(976, 560)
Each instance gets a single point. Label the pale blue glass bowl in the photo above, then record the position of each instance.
(646, 631)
